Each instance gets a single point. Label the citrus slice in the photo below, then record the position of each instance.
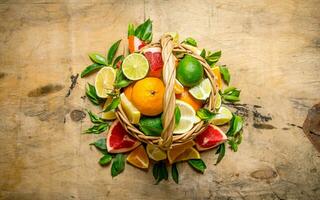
(201, 91)
(178, 149)
(211, 137)
(135, 66)
(175, 37)
(188, 154)
(178, 87)
(223, 116)
(216, 72)
(131, 111)
(155, 153)
(104, 81)
(217, 104)
(139, 158)
(188, 117)
(110, 115)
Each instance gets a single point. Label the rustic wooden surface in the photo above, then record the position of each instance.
(273, 51)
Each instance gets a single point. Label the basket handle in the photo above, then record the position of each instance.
(169, 76)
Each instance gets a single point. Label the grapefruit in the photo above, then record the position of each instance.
(211, 137)
(135, 43)
(154, 58)
(118, 140)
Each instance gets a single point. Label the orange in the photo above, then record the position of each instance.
(128, 91)
(139, 158)
(188, 154)
(216, 72)
(131, 43)
(189, 99)
(147, 96)
(177, 150)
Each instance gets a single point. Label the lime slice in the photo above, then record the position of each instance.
(224, 116)
(104, 81)
(155, 153)
(201, 91)
(135, 66)
(188, 117)
(217, 104)
(131, 111)
(110, 115)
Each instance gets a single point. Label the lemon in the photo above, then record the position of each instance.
(178, 87)
(188, 154)
(217, 104)
(188, 117)
(201, 91)
(104, 81)
(131, 111)
(110, 115)
(224, 116)
(155, 153)
(135, 66)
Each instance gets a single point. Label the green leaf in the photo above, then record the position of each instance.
(117, 165)
(175, 173)
(130, 30)
(94, 118)
(197, 164)
(92, 95)
(121, 80)
(112, 51)
(230, 98)
(118, 59)
(205, 114)
(177, 115)
(203, 53)
(144, 31)
(151, 126)
(90, 69)
(97, 58)
(113, 105)
(100, 144)
(236, 125)
(225, 74)
(213, 57)
(190, 41)
(97, 128)
(160, 171)
(221, 151)
(231, 94)
(105, 159)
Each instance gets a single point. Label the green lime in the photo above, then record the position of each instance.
(135, 66)
(189, 71)
(151, 126)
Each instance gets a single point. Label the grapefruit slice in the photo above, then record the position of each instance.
(210, 138)
(135, 44)
(139, 158)
(154, 57)
(118, 140)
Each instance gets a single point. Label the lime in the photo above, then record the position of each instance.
(201, 91)
(135, 66)
(131, 111)
(155, 153)
(224, 116)
(217, 103)
(188, 117)
(189, 71)
(151, 126)
(104, 81)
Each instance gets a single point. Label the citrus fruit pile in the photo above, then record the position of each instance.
(133, 82)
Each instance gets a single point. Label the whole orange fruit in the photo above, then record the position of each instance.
(128, 91)
(188, 98)
(147, 96)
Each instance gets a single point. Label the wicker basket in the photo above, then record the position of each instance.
(167, 139)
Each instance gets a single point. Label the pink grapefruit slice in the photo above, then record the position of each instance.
(154, 57)
(210, 138)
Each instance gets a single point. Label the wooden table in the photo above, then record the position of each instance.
(271, 47)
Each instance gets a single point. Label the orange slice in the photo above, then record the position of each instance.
(188, 154)
(139, 158)
(216, 72)
(177, 150)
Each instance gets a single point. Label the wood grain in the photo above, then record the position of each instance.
(271, 47)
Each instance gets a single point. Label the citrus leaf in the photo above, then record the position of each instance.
(160, 172)
(151, 126)
(203, 53)
(177, 115)
(213, 58)
(112, 51)
(91, 68)
(190, 41)
(236, 125)
(225, 74)
(144, 31)
(221, 151)
(92, 95)
(94, 118)
(113, 105)
(104, 160)
(117, 60)
(117, 165)
(205, 114)
(100, 144)
(197, 164)
(230, 98)
(121, 80)
(97, 129)
(97, 58)
(175, 173)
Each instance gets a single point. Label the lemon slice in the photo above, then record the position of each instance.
(131, 111)
(110, 115)
(188, 117)
(201, 91)
(135, 66)
(178, 87)
(224, 116)
(104, 81)
(155, 153)
(188, 154)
